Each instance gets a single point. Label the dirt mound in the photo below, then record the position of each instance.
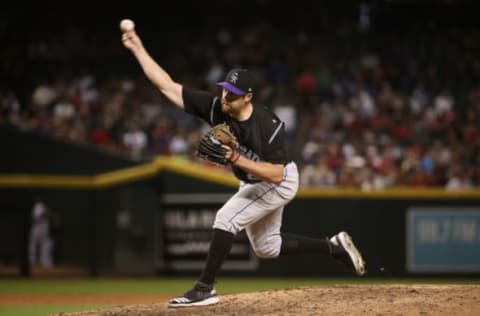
(327, 300)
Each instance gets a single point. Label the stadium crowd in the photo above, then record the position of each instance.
(362, 109)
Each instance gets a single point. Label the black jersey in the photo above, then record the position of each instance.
(261, 136)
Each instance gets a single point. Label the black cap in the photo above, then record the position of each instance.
(238, 81)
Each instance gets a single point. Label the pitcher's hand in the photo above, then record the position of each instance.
(131, 40)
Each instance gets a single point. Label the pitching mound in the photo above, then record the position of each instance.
(327, 300)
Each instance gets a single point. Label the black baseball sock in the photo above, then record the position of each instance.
(300, 244)
(219, 248)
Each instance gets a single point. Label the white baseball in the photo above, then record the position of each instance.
(126, 25)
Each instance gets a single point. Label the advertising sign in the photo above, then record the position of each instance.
(445, 239)
(184, 228)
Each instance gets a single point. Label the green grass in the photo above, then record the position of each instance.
(166, 286)
(42, 310)
(175, 285)
(143, 286)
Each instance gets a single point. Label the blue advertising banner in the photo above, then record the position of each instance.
(443, 239)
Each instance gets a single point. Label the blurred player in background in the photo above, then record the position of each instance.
(41, 242)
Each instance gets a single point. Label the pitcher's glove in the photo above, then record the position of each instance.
(210, 147)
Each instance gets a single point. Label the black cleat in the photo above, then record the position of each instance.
(347, 253)
(201, 295)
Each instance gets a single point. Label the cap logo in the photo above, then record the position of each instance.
(234, 77)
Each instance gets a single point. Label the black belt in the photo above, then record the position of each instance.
(252, 181)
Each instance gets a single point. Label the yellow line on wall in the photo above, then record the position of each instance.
(396, 193)
(210, 173)
(124, 175)
(121, 176)
(215, 175)
(44, 181)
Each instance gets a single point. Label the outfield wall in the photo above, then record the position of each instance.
(121, 228)
(155, 218)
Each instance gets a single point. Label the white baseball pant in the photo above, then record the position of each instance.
(258, 208)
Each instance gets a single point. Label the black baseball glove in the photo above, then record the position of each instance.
(210, 147)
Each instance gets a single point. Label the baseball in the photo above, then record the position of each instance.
(126, 25)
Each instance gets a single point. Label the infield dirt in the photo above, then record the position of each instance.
(326, 300)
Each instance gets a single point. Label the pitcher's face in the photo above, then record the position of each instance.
(232, 103)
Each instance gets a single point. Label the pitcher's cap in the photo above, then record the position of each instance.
(238, 81)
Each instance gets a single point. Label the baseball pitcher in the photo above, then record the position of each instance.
(250, 139)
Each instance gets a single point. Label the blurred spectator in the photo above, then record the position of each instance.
(43, 95)
(318, 175)
(179, 144)
(134, 139)
(161, 136)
